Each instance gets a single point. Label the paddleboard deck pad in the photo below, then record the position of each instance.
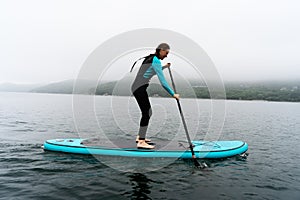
(172, 149)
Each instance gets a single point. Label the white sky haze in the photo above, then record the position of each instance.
(48, 41)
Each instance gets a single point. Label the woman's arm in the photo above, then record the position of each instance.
(156, 64)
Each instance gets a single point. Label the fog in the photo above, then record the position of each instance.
(48, 41)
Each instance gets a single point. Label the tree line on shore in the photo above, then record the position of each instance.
(266, 92)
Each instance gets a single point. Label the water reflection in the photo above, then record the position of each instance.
(141, 186)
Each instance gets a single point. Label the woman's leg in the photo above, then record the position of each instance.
(142, 98)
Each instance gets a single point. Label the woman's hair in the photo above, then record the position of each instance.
(163, 46)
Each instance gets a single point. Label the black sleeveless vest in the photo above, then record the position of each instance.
(140, 80)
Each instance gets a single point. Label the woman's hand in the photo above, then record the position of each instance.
(176, 96)
(167, 65)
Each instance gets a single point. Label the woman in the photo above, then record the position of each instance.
(150, 66)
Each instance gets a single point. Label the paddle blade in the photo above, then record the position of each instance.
(196, 163)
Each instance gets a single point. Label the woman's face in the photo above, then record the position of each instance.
(163, 53)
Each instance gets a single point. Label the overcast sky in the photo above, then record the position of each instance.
(48, 41)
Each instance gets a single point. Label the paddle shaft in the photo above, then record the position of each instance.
(183, 121)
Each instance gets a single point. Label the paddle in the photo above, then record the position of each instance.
(197, 164)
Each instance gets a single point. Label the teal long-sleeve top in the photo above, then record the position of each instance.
(156, 68)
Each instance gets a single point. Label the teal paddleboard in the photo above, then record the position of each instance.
(171, 149)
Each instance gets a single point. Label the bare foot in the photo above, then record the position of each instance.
(143, 144)
(138, 138)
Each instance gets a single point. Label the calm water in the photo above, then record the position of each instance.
(27, 172)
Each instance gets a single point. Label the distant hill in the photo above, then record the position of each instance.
(268, 90)
(66, 87)
(12, 87)
(120, 88)
(123, 87)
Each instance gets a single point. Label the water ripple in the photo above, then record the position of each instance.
(27, 172)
